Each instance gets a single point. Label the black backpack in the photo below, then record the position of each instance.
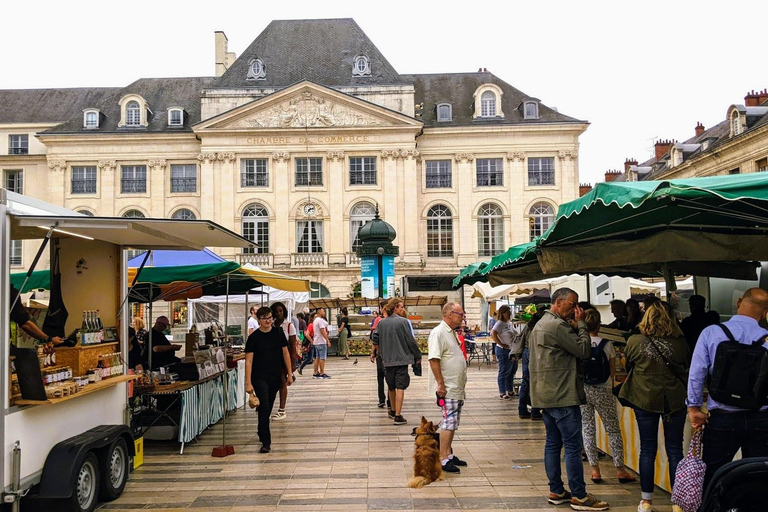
(737, 486)
(597, 369)
(734, 378)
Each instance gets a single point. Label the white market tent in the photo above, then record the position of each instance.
(490, 293)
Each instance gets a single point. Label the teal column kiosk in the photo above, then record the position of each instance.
(377, 258)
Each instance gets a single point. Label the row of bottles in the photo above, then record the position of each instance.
(91, 330)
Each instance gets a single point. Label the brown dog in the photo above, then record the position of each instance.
(426, 456)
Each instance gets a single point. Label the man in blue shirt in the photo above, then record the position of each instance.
(728, 428)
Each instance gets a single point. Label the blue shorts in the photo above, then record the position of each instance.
(321, 351)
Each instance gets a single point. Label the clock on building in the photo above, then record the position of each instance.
(309, 209)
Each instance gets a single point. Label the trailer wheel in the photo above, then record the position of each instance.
(86, 491)
(114, 470)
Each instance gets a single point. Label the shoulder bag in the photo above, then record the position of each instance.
(689, 477)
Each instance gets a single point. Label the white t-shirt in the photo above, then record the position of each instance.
(319, 325)
(288, 329)
(510, 335)
(610, 353)
(253, 324)
(445, 346)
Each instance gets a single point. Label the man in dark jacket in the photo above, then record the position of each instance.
(398, 350)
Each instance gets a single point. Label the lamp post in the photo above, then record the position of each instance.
(377, 254)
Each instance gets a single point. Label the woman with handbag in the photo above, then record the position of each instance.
(656, 388)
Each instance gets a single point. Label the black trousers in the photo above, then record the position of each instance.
(266, 391)
(380, 379)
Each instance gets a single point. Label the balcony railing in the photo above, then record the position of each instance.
(18, 151)
(263, 260)
(183, 185)
(87, 186)
(352, 259)
(309, 259)
(133, 185)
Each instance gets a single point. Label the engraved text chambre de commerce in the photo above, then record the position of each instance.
(322, 139)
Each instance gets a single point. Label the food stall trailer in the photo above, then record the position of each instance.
(76, 449)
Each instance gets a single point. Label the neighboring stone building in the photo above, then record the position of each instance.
(294, 143)
(736, 145)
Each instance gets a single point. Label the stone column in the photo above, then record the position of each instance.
(391, 186)
(466, 234)
(410, 221)
(156, 182)
(227, 178)
(56, 185)
(336, 244)
(518, 180)
(569, 176)
(207, 196)
(109, 190)
(280, 230)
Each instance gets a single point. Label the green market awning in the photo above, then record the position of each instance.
(40, 279)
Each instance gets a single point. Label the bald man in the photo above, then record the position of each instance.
(728, 428)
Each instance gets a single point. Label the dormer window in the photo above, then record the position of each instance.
(133, 114)
(175, 117)
(735, 123)
(488, 101)
(90, 119)
(444, 112)
(256, 70)
(361, 66)
(488, 104)
(134, 111)
(531, 110)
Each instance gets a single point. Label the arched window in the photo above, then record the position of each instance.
(184, 214)
(361, 213)
(256, 228)
(439, 232)
(531, 110)
(134, 214)
(490, 230)
(488, 104)
(318, 291)
(735, 123)
(85, 212)
(541, 216)
(133, 114)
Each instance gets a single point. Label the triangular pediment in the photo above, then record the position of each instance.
(306, 105)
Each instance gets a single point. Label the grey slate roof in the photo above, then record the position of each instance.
(49, 105)
(458, 89)
(159, 93)
(321, 51)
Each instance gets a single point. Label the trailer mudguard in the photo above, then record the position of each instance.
(58, 479)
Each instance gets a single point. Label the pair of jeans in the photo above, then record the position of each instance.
(648, 428)
(266, 391)
(726, 432)
(309, 357)
(506, 374)
(563, 426)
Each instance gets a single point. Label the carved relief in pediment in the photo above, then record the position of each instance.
(308, 110)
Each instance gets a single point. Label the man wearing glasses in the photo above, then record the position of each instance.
(448, 378)
(266, 354)
(557, 387)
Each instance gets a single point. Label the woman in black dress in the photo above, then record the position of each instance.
(266, 354)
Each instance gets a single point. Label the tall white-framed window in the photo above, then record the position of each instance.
(175, 117)
(490, 230)
(254, 172)
(541, 216)
(361, 213)
(91, 119)
(309, 236)
(362, 170)
(735, 123)
(444, 112)
(133, 114)
(256, 228)
(309, 172)
(18, 144)
(531, 110)
(84, 179)
(438, 173)
(541, 171)
(488, 104)
(183, 178)
(133, 179)
(16, 253)
(14, 181)
(490, 172)
(439, 232)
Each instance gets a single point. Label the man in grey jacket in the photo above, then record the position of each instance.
(398, 349)
(558, 344)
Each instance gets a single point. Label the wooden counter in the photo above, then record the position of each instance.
(86, 390)
(84, 357)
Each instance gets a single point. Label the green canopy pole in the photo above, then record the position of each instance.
(225, 449)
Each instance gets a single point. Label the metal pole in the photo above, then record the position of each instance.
(226, 370)
(381, 276)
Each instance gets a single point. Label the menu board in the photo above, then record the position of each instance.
(210, 361)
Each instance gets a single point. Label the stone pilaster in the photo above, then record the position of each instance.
(282, 230)
(157, 183)
(411, 218)
(518, 180)
(207, 178)
(465, 237)
(392, 184)
(228, 178)
(336, 242)
(108, 186)
(56, 180)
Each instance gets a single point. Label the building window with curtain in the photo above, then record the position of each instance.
(84, 179)
(256, 228)
(309, 173)
(490, 172)
(438, 173)
(133, 179)
(254, 173)
(541, 216)
(362, 170)
(309, 236)
(439, 232)
(490, 230)
(541, 171)
(183, 178)
(360, 214)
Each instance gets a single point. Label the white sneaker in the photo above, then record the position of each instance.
(279, 415)
(645, 507)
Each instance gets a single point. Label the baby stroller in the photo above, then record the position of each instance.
(737, 487)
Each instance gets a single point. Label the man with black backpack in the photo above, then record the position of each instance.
(727, 358)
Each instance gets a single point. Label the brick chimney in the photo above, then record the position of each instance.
(629, 162)
(752, 99)
(762, 97)
(611, 175)
(662, 147)
(699, 128)
(584, 188)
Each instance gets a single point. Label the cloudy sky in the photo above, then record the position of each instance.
(637, 71)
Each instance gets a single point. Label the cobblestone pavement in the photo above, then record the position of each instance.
(337, 451)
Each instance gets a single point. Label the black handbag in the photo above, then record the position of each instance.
(56, 316)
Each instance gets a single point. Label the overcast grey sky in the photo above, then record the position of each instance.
(637, 71)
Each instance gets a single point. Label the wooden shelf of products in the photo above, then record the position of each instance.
(87, 390)
(82, 358)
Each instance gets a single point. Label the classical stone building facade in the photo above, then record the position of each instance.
(293, 144)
